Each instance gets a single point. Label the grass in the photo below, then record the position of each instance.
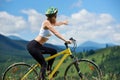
(99, 57)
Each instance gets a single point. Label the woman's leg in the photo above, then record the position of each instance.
(33, 48)
(51, 51)
(37, 51)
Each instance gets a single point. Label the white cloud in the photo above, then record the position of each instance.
(34, 19)
(10, 23)
(104, 19)
(83, 25)
(116, 37)
(77, 4)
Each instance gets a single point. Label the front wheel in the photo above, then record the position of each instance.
(83, 70)
(18, 70)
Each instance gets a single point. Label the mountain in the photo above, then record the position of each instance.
(92, 44)
(88, 45)
(12, 51)
(14, 37)
(16, 43)
(8, 45)
(15, 50)
(95, 44)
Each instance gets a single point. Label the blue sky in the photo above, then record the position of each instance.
(95, 20)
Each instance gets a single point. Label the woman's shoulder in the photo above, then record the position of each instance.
(46, 22)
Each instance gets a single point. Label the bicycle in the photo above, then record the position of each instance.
(79, 69)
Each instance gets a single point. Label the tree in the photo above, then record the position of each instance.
(90, 52)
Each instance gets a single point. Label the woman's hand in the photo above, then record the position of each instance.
(68, 41)
(65, 22)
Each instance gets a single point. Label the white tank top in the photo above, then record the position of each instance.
(45, 32)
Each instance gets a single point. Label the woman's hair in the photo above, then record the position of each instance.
(51, 15)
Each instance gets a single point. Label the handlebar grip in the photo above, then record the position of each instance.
(73, 40)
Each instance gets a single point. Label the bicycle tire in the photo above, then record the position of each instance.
(85, 67)
(17, 70)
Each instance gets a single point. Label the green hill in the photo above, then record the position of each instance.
(12, 51)
(109, 61)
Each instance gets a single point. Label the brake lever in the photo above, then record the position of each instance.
(73, 40)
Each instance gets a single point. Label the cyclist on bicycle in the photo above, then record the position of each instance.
(36, 47)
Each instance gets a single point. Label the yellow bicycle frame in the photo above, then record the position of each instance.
(67, 52)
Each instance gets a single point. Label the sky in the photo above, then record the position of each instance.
(88, 20)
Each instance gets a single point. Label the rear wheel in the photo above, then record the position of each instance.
(18, 70)
(86, 70)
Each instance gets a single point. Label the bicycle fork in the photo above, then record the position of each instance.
(77, 67)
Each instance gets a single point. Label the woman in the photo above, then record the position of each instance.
(36, 47)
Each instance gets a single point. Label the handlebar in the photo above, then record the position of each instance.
(73, 41)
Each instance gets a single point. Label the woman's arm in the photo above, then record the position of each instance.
(61, 23)
(49, 26)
